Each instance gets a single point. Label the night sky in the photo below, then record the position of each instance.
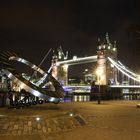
(31, 28)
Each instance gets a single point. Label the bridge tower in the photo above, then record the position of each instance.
(60, 72)
(108, 73)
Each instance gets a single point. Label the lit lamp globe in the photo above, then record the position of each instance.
(138, 77)
(65, 67)
(99, 72)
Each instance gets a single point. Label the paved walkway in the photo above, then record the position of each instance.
(112, 120)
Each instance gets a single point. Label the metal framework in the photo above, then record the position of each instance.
(33, 88)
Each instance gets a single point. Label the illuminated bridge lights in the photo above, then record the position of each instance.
(77, 88)
(125, 71)
(78, 60)
(125, 86)
(129, 71)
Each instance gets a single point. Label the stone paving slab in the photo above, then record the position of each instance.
(111, 120)
(31, 125)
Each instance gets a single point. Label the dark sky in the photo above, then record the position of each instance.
(31, 28)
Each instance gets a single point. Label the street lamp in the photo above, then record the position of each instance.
(65, 67)
(99, 73)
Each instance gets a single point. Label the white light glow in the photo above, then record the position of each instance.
(120, 69)
(123, 67)
(78, 60)
(114, 49)
(112, 65)
(138, 77)
(38, 119)
(71, 114)
(74, 57)
(51, 99)
(36, 93)
(65, 67)
(125, 86)
(99, 72)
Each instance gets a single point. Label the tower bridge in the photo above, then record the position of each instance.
(108, 67)
(106, 49)
(110, 72)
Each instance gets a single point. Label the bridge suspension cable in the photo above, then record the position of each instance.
(125, 71)
(129, 71)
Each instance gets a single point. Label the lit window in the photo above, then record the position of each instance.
(114, 49)
(38, 119)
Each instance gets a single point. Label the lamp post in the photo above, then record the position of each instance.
(65, 67)
(99, 73)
